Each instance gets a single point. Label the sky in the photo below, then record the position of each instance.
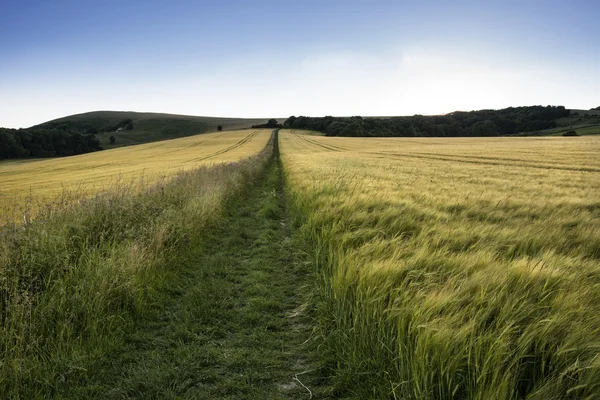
(279, 58)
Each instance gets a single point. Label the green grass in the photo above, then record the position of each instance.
(152, 127)
(589, 125)
(582, 130)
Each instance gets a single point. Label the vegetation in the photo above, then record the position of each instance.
(587, 130)
(37, 142)
(570, 133)
(91, 126)
(131, 128)
(272, 124)
(74, 282)
(232, 324)
(43, 185)
(508, 121)
(453, 269)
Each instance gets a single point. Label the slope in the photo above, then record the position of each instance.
(147, 127)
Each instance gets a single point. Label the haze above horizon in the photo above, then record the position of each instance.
(273, 58)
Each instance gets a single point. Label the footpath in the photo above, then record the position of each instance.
(234, 326)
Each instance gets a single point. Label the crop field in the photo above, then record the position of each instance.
(446, 268)
(75, 282)
(25, 187)
(454, 268)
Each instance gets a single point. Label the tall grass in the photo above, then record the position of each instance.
(72, 282)
(450, 279)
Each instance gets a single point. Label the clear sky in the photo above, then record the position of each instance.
(278, 58)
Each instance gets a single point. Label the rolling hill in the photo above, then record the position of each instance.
(147, 127)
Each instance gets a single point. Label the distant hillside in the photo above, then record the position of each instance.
(146, 127)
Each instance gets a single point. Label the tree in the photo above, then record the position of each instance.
(113, 140)
(220, 128)
(289, 122)
(335, 129)
(354, 128)
(484, 128)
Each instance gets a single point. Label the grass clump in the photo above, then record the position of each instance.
(73, 282)
(453, 268)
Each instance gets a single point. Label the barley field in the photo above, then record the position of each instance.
(73, 283)
(463, 268)
(28, 186)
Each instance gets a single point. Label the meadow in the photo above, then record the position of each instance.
(463, 268)
(73, 282)
(31, 186)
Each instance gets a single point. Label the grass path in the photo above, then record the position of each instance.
(233, 326)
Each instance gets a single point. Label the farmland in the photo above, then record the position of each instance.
(453, 268)
(252, 264)
(75, 282)
(28, 186)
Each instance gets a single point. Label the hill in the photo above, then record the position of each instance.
(146, 127)
(584, 122)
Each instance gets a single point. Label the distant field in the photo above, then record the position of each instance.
(151, 127)
(578, 121)
(454, 268)
(581, 130)
(31, 184)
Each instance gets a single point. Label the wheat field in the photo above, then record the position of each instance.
(27, 186)
(454, 268)
(73, 282)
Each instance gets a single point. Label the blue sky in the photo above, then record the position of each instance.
(278, 58)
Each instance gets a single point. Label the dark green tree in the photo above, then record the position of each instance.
(112, 140)
(289, 123)
(484, 128)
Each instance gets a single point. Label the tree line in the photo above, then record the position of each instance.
(272, 123)
(508, 121)
(86, 127)
(39, 142)
(55, 139)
